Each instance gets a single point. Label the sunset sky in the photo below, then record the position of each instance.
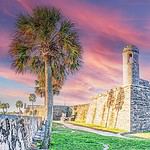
(105, 27)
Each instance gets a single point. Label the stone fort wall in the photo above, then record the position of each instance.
(140, 106)
(126, 107)
(111, 109)
(80, 112)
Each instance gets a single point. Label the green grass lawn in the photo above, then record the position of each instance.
(67, 139)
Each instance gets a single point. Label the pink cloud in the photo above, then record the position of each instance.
(102, 20)
(4, 42)
(7, 73)
(25, 4)
(12, 92)
(99, 20)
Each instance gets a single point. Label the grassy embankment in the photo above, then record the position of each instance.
(68, 139)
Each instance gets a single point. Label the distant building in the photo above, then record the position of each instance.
(40, 110)
(59, 109)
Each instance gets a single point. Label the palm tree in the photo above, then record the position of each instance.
(110, 102)
(40, 86)
(32, 99)
(119, 103)
(35, 112)
(46, 42)
(3, 106)
(0, 105)
(19, 105)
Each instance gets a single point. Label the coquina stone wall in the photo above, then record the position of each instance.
(80, 112)
(125, 107)
(111, 109)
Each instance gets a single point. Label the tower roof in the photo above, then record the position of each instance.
(132, 48)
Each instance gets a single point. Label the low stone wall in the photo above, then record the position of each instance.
(17, 132)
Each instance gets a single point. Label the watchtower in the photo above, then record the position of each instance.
(130, 65)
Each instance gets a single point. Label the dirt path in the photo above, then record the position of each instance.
(104, 133)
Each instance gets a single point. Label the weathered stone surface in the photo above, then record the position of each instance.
(140, 108)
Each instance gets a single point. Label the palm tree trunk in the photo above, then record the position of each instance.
(107, 117)
(45, 107)
(49, 103)
(19, 111)
(116, 119)
(32, 110)
(45, 101)
(4, 111)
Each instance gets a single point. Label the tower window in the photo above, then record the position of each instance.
(130, 58)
